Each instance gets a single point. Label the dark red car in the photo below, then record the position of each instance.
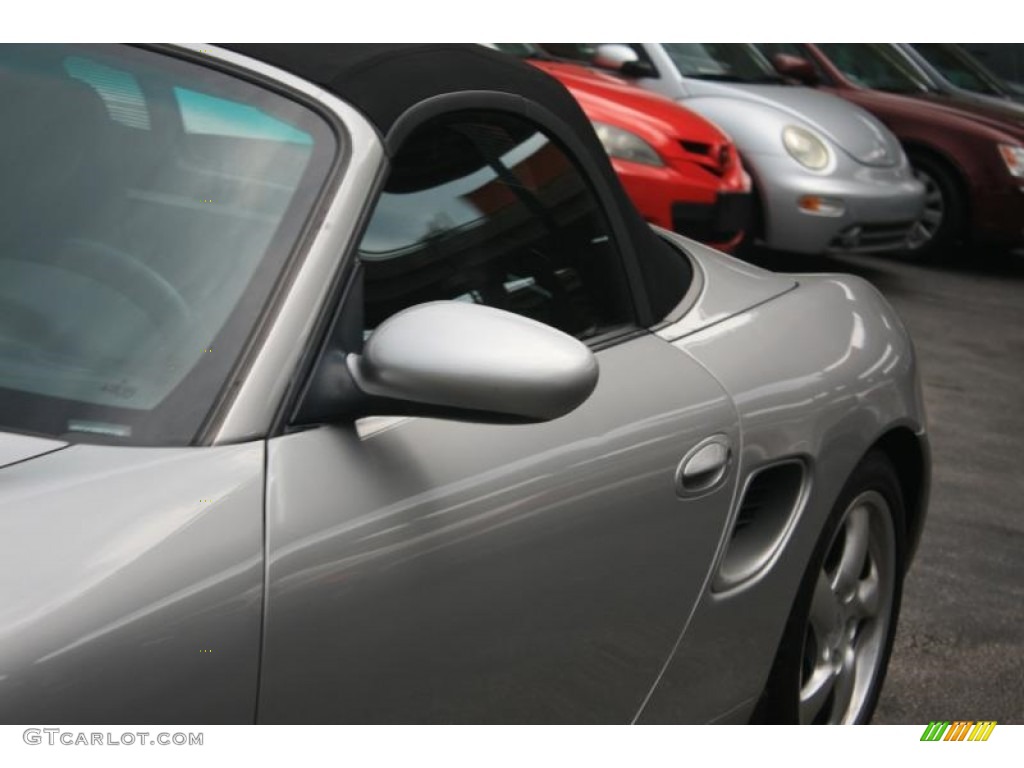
(680, 170)
(969, 156)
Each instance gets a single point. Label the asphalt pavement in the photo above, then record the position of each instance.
(959, 652)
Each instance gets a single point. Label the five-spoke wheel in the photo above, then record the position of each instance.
(835, 649)
(849, 616)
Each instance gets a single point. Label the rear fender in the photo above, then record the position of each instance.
(820, 374)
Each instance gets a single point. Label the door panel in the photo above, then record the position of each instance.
(132, 584)
(435, 571)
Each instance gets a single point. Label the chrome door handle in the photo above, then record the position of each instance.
(704, 467)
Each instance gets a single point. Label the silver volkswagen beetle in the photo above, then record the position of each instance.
(829, 176)
(342, 384)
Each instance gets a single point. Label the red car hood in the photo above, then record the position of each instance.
(608, 99)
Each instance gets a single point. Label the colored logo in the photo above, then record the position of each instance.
(958, 730)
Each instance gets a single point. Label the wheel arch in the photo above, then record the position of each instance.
(909, 454)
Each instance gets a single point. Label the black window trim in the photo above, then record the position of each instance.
(693, 290)
(334, 323)
(556, 129)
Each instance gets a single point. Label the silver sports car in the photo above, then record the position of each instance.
(343, 384)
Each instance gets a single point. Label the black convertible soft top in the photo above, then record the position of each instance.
(384, 81)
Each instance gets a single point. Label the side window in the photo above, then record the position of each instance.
(485, 208)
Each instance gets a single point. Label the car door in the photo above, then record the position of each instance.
(429, 570)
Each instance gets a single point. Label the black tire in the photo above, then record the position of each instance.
(941, 228)
(798, 656)
(751, 247)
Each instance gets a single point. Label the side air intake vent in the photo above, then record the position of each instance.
(768, 505)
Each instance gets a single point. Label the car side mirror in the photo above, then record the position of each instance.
(475, 363)
(620, 58)
(798, 68)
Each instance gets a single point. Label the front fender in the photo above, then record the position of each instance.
(755, 128)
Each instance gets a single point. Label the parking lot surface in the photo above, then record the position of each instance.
(960, 646)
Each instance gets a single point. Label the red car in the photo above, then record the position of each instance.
(682, 172)
(969, 156)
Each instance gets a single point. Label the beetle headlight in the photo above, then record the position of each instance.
(806, 148)
(625, 145)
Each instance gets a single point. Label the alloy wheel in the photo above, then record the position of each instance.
(845, 636)
(926, 227)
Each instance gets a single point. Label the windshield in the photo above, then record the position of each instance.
(875, 65)
(957, 66)
(730, 62)
(147, 206)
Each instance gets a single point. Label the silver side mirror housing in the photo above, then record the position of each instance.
(614, 56)
(473, 359)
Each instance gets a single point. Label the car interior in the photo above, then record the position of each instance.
(134, 211)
